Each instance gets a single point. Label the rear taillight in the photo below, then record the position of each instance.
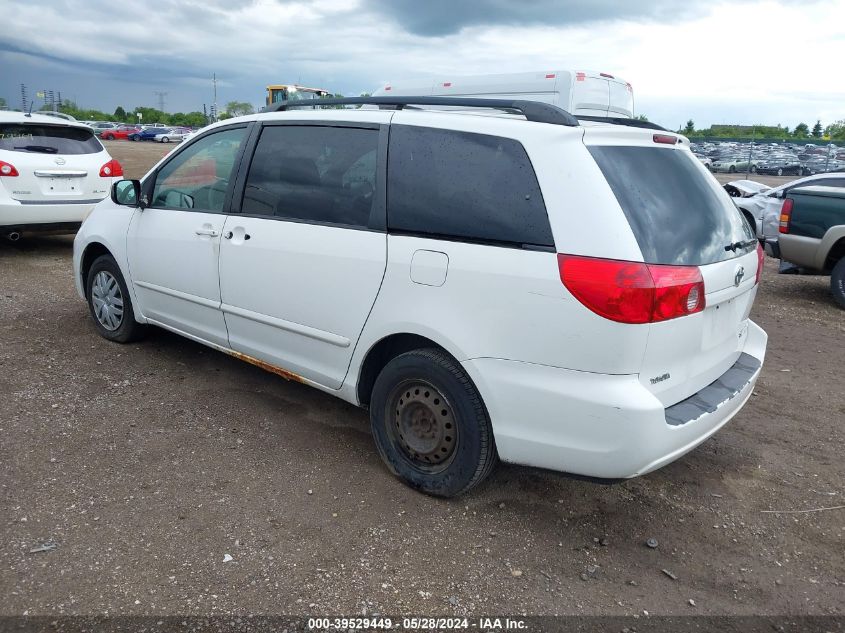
(111, 169)
(785, 215)
(7, 169)
(633, 292)
(761, 259)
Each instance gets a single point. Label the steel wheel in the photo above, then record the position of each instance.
(107, 300)
(423, 425)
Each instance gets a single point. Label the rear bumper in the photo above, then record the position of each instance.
(772, 248)
(15, 214)
(597, 425)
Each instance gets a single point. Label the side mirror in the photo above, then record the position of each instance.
(126, 192)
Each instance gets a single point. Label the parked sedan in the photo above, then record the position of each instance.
(732, 165)
(176, 135)
(780, 167)
(101, 126)
(122, 132)
(149, 134)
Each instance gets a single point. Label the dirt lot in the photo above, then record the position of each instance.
(147, 464)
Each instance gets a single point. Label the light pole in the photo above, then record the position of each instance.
(750, 151)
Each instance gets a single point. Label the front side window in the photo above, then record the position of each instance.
(313, 174)
(197, 177)
(464, 186)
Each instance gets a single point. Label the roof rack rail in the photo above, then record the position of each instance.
(622, 121)
(532, 110)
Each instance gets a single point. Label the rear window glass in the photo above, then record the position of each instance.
(676, 215)
(464, 186)
(47, 139)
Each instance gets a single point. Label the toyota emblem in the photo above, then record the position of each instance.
(740, 273)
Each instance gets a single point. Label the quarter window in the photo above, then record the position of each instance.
(198, 177)
(464, 186)
(313, 174)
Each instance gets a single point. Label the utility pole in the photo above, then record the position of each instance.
(750, 151)
(214, 106)
(23, 98)
(161, 96)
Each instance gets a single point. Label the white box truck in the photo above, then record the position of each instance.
(581, 93)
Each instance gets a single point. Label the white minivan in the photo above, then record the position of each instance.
(558, 293)
(579, 92)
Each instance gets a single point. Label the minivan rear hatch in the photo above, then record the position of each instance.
(680, 216)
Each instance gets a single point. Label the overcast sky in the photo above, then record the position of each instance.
(744, 61)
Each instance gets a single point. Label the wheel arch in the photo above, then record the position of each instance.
(382, 352)
(89, 255)
(836, 252)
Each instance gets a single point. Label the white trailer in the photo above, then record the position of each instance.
(584, 93)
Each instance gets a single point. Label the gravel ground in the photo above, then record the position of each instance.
(173, 479)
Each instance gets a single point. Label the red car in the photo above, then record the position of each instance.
(121, 132)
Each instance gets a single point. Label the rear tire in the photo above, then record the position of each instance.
(165, 140)
(837, 282)
(430, 425)
(109, 302)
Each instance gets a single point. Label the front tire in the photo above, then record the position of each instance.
(165, 140)
(837, 282)
(780, 171)
(109, 302)
(430, 425)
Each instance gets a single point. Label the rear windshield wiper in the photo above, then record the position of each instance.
(44, 149)
(738, 245)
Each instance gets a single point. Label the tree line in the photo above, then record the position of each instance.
(832, 132)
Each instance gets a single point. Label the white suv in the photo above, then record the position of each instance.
(52, 173)
(562, 294)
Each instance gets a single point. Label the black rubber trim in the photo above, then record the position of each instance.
(46, 227)
(622, 121)
(49, 202)
(720, 390)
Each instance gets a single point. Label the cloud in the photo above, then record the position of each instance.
(444, 17)
(714, 60)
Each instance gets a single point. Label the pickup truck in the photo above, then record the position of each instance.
(812, 234)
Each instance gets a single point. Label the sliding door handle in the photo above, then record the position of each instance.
(209, 232)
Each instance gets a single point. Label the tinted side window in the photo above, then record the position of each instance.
(198, 176)
(466, 186)
(313, 174)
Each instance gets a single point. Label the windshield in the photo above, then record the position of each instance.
(676, 215)
(48, 139)
(301, 95)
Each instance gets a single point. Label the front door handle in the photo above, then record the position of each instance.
(209, 232)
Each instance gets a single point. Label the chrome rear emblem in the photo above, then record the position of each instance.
(740, 273)
(60, 160)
